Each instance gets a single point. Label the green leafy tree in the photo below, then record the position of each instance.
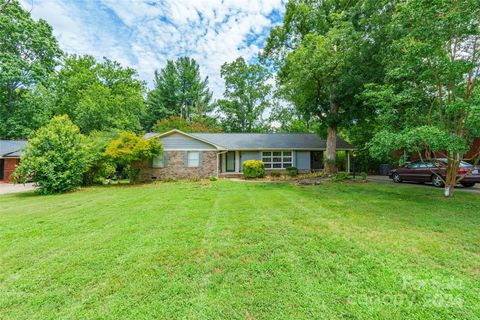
(28, 55)
(129, 148)
(324, 53)
(286, 118)
(162, 101)
(56, 157)
(179, 91)
(247, 95)
(3, 4)
(33, 109)
(99, 96)
(429, 102)
(203, 125)
(100, 166)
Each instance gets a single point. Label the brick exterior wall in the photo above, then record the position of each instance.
(177, 169)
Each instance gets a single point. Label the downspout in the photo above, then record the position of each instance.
(218, 162)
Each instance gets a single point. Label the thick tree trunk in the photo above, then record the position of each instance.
(330, 163)
(451, 176)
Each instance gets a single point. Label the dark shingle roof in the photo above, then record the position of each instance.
(247, 141)
(12, 148)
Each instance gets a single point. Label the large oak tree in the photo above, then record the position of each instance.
(324, 52)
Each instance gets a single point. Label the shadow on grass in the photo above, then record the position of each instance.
(24, 194)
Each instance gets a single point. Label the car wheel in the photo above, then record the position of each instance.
(437, 181)
(396, 178)
(467, 184)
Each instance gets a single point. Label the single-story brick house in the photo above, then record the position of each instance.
(188, 155)
(10, 153)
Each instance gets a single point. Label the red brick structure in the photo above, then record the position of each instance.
(9, 165)
(474, 150)
(10, 153)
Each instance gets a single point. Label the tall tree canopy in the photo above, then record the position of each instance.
(179, 91)
(28, 55)
(247, 95)
(430, 100)
(324, 56)
(284, 117)
(99, 95)
(173, 122)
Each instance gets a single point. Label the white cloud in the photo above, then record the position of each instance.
(144, 34)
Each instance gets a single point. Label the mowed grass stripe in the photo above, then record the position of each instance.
(239, 250)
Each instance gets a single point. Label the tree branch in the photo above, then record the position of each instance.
(4, 5)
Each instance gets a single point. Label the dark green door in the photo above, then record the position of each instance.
(230, 161)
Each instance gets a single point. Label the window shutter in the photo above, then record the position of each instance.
(200, 159)
(185, 159)
(165, 159)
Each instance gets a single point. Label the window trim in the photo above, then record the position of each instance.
(282, 157)
(162, 155)
(188, 159)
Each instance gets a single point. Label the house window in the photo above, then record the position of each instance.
(193, 159)
(277, 159)
(158, 161)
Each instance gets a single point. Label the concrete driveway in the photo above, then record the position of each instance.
(386, 179)
(14, 188)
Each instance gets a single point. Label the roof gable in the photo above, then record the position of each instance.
(179, 140)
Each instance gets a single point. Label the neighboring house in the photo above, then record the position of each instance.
(188, 155)
(10, 153)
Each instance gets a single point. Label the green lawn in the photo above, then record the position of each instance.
(225, 249)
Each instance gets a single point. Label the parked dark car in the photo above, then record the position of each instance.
(429, 171)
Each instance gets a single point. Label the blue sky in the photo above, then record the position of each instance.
(143, 34)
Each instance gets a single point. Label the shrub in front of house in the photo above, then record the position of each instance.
(275, 173)
(292, 171)
(128, 150)
(56, 157)
(253, 169)
(341, 176)
(363, 174)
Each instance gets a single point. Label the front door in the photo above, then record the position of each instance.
(231, 161)
(2, 164)
(316, 160)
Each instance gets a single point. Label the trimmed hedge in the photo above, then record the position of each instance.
(253, 169)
